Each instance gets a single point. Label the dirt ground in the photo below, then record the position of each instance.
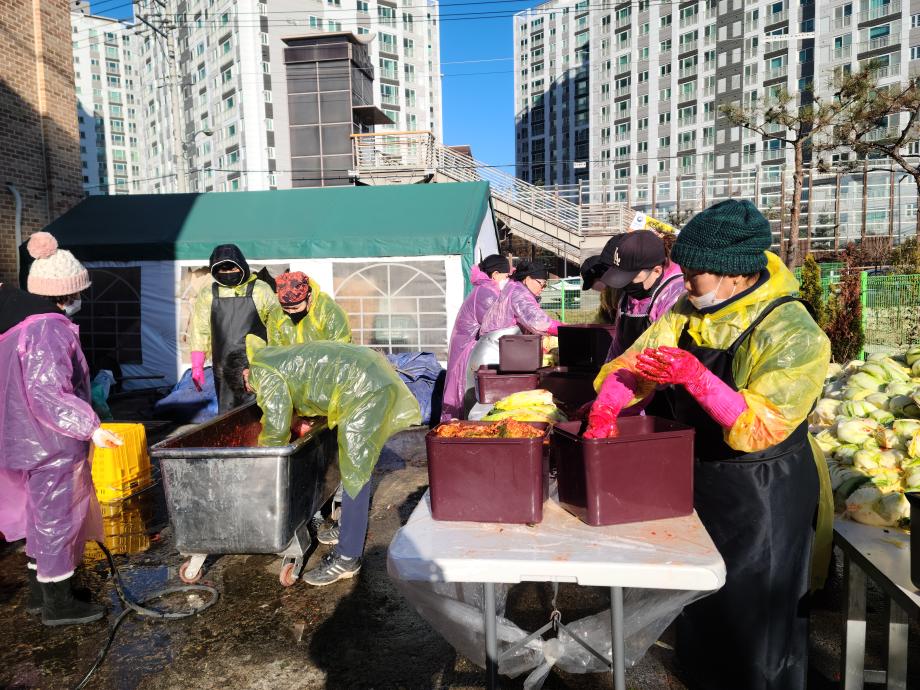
(358, 633)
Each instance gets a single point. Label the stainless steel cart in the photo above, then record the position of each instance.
(226, 495)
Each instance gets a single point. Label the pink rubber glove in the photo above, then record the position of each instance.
(554, 328)
(198, 369)
(676, 366)
(616, 392)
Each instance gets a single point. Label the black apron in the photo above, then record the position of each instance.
(631, 326)
(232, 319)
(758, 508)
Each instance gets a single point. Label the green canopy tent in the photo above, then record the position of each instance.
(397, 258)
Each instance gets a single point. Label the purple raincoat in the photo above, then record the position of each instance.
(462, 340)
(46, 422)
(516, 306)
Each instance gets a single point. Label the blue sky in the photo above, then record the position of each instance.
(476, 61)
(479, 100)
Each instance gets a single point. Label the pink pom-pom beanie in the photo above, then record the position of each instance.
(54, 272)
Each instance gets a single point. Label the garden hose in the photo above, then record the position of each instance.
(139, 608)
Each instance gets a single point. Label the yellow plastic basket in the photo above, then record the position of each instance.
(125, 470)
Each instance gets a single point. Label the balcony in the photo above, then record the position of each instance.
(751, 52)
(689, 46)
(842, 23)
(881, 11)
(776, 17)
(686, 121)
(841, 53)
(882, 133)
(708, 141)
(776, 73)
(623, 21)
(880, 42)
(689, 71)
(752, 27)
(623, 90)
(689, 21)
(774, 154)
(751, 79)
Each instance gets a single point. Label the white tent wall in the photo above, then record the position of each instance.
(166, 290)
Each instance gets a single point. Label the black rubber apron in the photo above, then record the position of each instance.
(758, 508)
(631, 326)
(232, 319)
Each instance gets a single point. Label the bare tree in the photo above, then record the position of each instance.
(876, 126)
(795, 120)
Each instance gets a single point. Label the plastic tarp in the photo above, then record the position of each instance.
(421, 372)
(185, 404)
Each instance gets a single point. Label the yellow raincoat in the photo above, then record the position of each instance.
(325, 320)
(200, 325)
(354, 387)
(780, 371)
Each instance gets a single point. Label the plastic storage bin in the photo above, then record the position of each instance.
(487, 479)
(520, 353)
(492, 386)
(125, 470)
(585, 345)
(571, 387)
(646, 473)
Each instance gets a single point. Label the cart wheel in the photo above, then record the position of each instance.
(189, 580)
(288, 576)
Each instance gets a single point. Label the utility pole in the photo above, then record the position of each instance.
(180, 160)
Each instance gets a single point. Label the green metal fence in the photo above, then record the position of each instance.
(890, 306)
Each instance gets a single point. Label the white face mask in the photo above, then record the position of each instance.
(73, 307)
(709, 299)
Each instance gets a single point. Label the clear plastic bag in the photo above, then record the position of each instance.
(455, 611)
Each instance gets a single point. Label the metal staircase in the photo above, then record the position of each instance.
(534, 213)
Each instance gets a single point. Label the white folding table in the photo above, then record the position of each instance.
(883, 555)
(675, 554)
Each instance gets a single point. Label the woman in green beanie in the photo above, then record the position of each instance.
(743, 362)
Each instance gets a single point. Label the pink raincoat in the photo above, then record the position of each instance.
(46, 422)
(516, 306)
(462, 340)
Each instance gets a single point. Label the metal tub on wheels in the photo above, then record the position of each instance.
(226, 495)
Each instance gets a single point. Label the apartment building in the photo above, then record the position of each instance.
(234, 129)
(104, 57)
(624, 93)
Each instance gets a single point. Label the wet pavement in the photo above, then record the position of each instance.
(357, 633)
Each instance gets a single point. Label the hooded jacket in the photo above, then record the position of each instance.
(270, 312)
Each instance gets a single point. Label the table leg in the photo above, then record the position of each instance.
(617, 639)
(489, 623)
(853, 655)
(897, 647)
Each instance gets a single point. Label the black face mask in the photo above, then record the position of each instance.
(229, 279)
(638, 291)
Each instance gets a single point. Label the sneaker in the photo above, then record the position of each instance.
(328, 534)
(332, 568)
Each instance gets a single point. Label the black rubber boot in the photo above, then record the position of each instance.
(61, 608)
(36, 600)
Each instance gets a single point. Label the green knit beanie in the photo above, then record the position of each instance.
(729, 238)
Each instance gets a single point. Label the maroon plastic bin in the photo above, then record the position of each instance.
(585, 345)
(487, 479)
(570, 387)
(492, 386)
(646, 473)
(520, 353)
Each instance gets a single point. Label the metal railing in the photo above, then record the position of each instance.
(884, 10)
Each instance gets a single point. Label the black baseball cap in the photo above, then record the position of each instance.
(591, 271)
(629, 254)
